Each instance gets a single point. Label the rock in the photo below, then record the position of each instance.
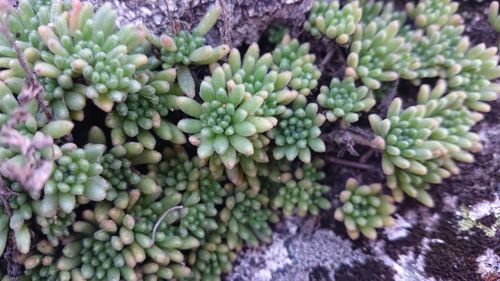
(242, 21)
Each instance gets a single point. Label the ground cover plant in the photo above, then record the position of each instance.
(183, 172)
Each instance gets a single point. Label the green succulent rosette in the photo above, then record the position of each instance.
(364, 209)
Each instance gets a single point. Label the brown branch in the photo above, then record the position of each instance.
(349, 163)
(350, 136)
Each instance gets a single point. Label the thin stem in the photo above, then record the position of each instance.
(358, 139)
(365, 157)
(160, 220)
(349, 163)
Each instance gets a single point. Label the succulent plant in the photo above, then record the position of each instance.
(292, 56)
(89, 46)
(22, 211)
(403, 181)
(297, 132)
(212, 260)
(188, 47)
(405, 138)
(276, 33)
(75, 178)
(364, 209)
(334, 21)
(222, 126)
(145, 111)
(56, 227)
(118, 209)
(245, 172)
(48, 263)
(108, 248)
(472, 74)
(246, 217)
(158, 217)
(437, 12)
(300, 192)
(437, 49)
(455, 120)
(493, 18)
(254, 72)
(197, 218)
(186, 174)
(344, 100)
(377, 54)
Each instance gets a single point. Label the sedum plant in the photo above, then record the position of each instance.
(437, 49)
(336, 23)
(48, 263)
(187, 174)
(473, 75)
(16, 224)
(300, 192)
(89, 46)
(57, 226)
(381, 13)
(454, 118)
(364, 209)
(254, 72)
(76, 177)
(404, 182)
(246, 218)
(212, 260)
(114, 208)
(344, 100)
(145, 112)
(222, 126)
(433, 12)
(377, 54)
(298, 132)
(189, 47)
(493, 18)
(292, 56)
(405, 138)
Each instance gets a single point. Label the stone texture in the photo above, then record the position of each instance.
(242, 21)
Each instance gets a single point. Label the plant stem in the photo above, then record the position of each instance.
(160, 220)
(349, 163)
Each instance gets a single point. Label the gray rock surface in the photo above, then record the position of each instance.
(242, 21)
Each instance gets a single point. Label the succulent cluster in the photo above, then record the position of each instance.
(130, 202)
(493, 15)
(298, 132)
(420, 144)
(434, 12)
(364, 209)
(188, 47)
(299, 191)
(333, 21)
(145, 111)
(292, 56)
(344, 100)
